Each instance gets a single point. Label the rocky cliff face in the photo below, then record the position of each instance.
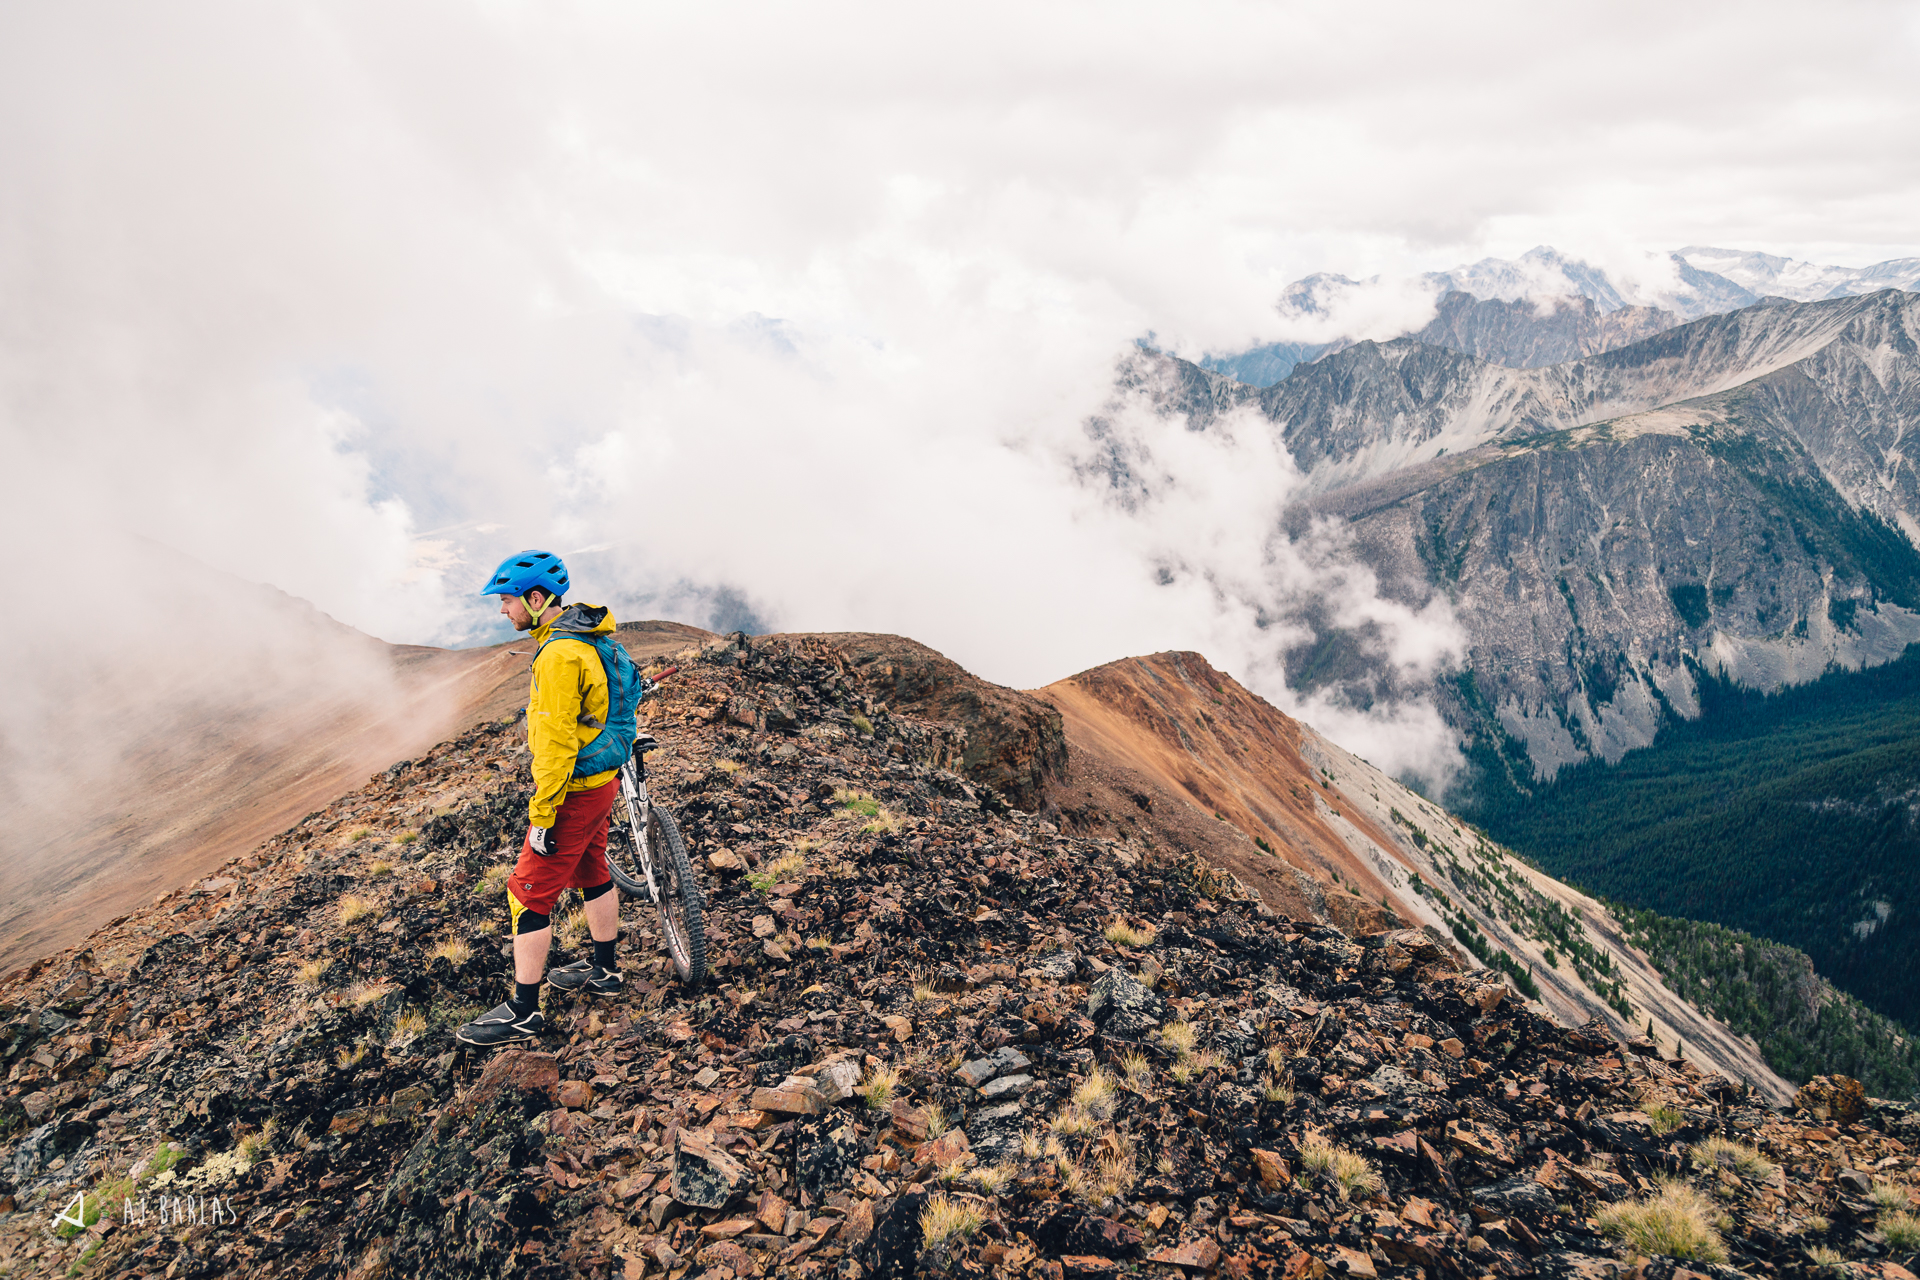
(1528, 333)
(1732, 492)
(942, 1035)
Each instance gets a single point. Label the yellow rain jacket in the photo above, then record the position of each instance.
(568, 679)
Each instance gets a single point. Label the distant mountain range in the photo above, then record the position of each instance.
(1643, 503)
(1545, 307)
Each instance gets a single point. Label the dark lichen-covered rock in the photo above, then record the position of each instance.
(1122, 1005)
(826, 1149)
(460, 1203)
(994, 1132)
(1833, 1097)
(894, 1247)
(1516, 1195)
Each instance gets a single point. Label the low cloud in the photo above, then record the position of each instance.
(797, 317)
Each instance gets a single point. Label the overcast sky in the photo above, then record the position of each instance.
(810, 302)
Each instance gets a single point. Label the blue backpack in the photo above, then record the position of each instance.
(615, 743)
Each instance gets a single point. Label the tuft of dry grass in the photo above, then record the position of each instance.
(308, 973)
(380, 868)
(923, 990)
(728, 766)
(1675, 1220)
(454, 951)
(573, 929)
(1165, 1164)
(406, 837)
(353, 908)
(1887, 1195)
(1073, 1122)
(991, 1179)
(1074, 1181)
(945, 1218)
(1724, 1153)
(358, 834)
(1095, 1094)
(494, 879)
(819, 942)
(1138, 1071)
(788, 866)
(936, 1122)
(362, 994)
(1278, 1091)
(1122, 934)
(408, 1027)
(878, 1087)
(1349, 1173)
(955, 1169)
(254, 1146)
(1030, 1146)
(1900, 1229)
(348, 1059)
(1179, 1037)
(1113, 1176)
(1665, 1119)
(1826, 1258)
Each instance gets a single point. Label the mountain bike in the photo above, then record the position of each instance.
(649, 859)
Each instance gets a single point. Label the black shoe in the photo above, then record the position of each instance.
(502, 1026)
(584, 975)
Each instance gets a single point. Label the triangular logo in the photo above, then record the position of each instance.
(75, 1212)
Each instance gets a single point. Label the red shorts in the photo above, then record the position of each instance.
(579, 857)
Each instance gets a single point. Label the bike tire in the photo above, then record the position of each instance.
(623, 852)
(682, 907)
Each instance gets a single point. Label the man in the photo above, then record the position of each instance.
(566, 841)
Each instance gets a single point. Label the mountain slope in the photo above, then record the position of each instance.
(1213, 769)
(210, 781)
(298, 1064)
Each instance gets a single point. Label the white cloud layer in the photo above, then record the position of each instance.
(355, 298)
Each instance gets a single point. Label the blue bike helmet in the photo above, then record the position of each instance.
(519, 574)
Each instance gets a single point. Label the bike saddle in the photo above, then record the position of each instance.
(644, 743)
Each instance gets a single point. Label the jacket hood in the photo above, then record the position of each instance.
(582, 620)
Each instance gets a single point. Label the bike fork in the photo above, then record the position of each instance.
(633, 781)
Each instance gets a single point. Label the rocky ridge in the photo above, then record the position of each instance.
(942, 1035)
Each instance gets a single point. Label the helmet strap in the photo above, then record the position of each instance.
(532, 612)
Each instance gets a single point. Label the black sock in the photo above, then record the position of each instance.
(603, 955)
(526, 998)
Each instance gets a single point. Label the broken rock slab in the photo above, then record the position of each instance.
(1001, 1062)
(704, 1176)
(838, 1080)
(1006, 1087)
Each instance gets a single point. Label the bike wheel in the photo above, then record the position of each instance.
(681, 919)
(624, 861)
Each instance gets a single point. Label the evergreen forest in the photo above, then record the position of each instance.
(1791, 817)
